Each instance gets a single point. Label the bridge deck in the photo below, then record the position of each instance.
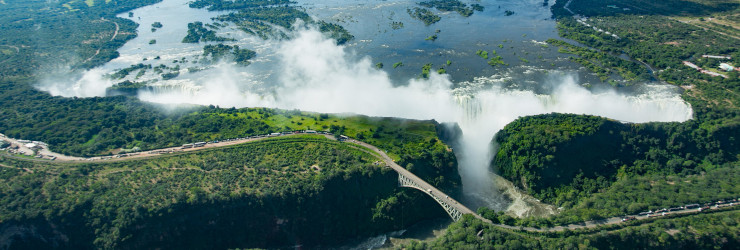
(421, 184)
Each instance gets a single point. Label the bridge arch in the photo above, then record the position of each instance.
(453, 212)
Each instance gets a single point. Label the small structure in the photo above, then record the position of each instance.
(716, 57)
(693, 66)
(628, 218)
(32, 145)
(726, 67)
(692, 206)
(713, 73)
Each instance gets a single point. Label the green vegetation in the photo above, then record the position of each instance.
(452, 5)
(170, 75)
(130, 204)
(232, 195)
(425, 70)
(423, 15)
(716, 230)
(257, 20)
(603, 64)
(80, 37)
(536, 153)
(128, 85)
(89, 127)
(431, 38)
(643, 7)
(494, 61)
(627, 168)
(379, 65)
(482, 53)
(635, 194)
(477, 7)
(123, 73)
(336, 32)
(396, 25)
(508, 13)
(441, 71)
(219, 51)
(630, 195)
(155, 26)
(315, 191)
(257, 17)
(398, 64)
(153, 41)
(198, 33)
(498, 60)
(656, 40)
(219, 5)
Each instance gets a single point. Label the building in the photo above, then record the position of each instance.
(713, 73)
(693, 66)
(726, 67)
(717, 57)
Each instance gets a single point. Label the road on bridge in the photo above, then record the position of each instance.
(431, 190)
(392, 164)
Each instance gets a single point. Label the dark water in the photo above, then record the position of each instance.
(521, 36)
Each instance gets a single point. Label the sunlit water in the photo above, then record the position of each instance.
(310, 72)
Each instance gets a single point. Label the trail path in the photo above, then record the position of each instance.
(115, 34)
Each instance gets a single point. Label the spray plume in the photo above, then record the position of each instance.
(315, 74)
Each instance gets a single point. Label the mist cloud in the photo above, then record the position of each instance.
(314, 74)
(91, 83)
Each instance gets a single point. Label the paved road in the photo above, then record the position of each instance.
(144, 154)
(607, 221)
(392, 164)
(400, 170)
